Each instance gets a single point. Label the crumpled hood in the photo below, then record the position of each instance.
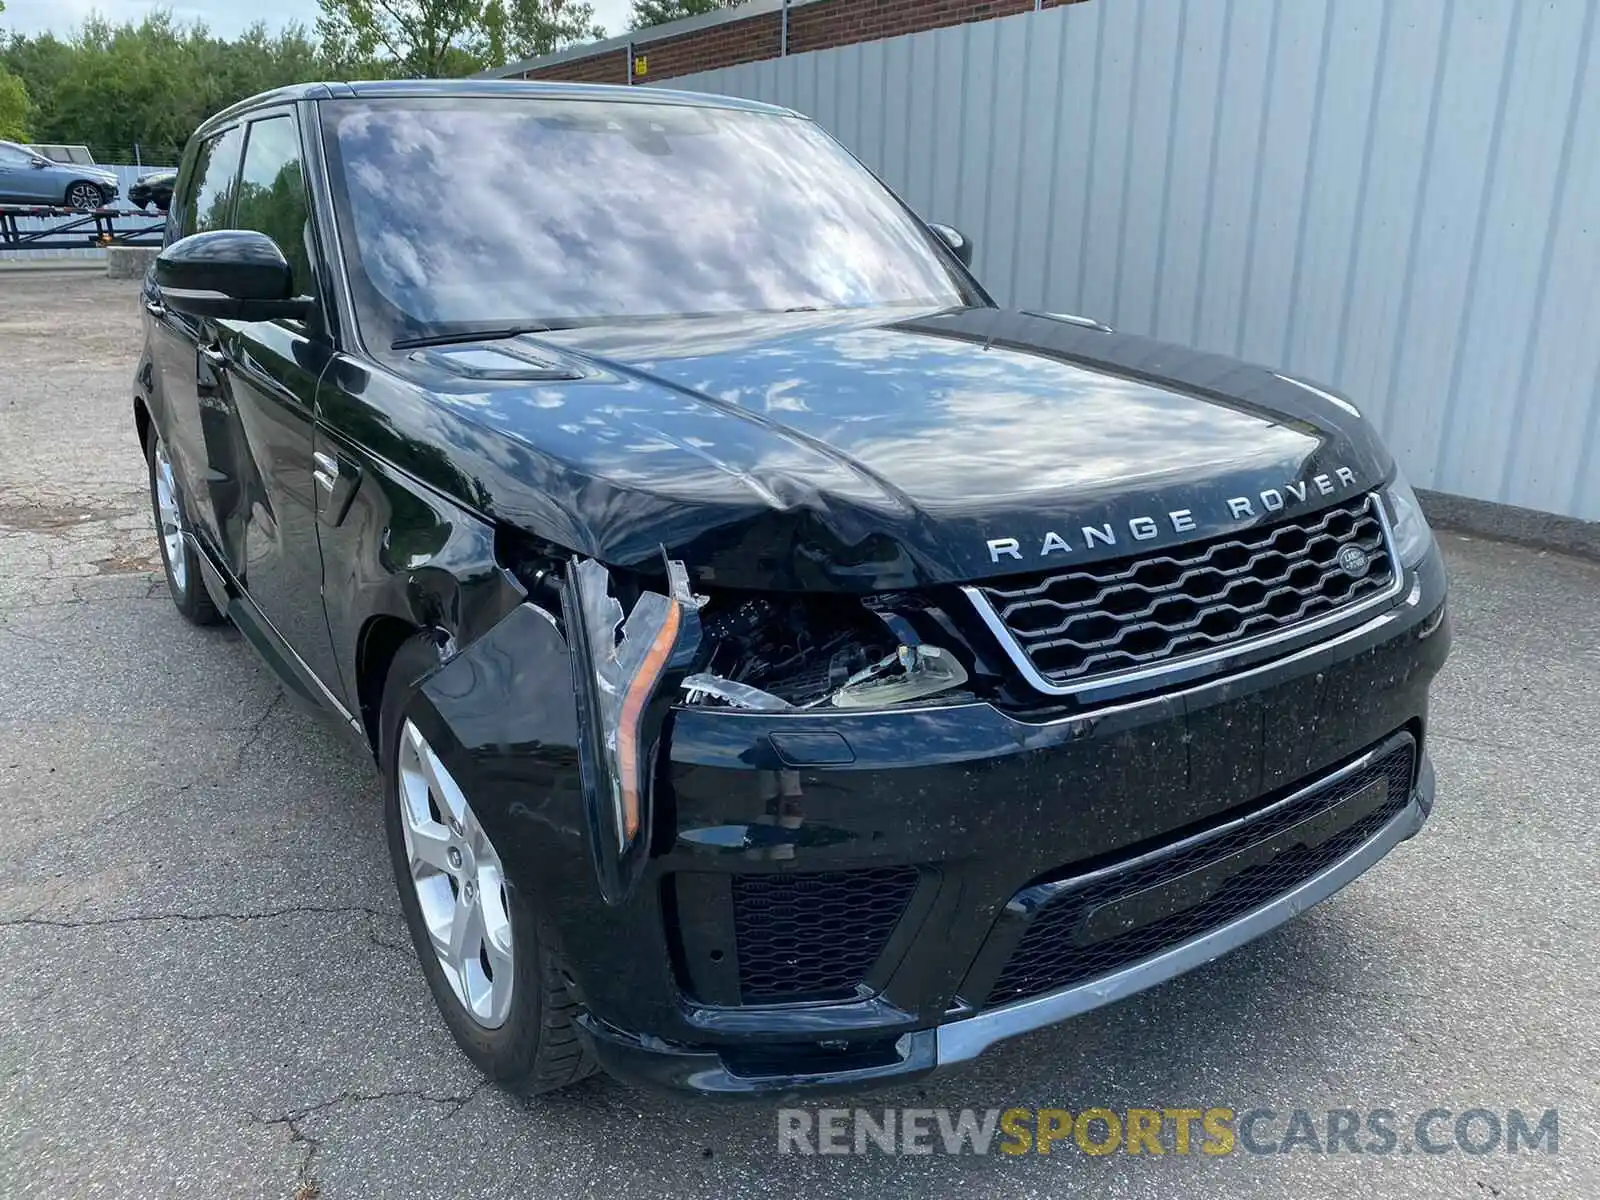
(855, 453)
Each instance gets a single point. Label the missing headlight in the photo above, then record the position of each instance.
(773, 654)
(796, 649)
(910, 673)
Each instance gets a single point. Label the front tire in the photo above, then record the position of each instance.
(84, 195)
(477, 936)
(179, 559)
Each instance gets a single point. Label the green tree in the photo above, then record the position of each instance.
(13, 104)
(13, 108)
(148, 84)
(39, 63)
(658, 12)
(528, 28)
(431, 38)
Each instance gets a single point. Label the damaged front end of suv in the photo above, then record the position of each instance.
(643, 644)
(820, 840)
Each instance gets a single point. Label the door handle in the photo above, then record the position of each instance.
(337, 478)
(155, 308)
(208, 363)
(326, 471)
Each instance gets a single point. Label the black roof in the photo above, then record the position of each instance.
(486, 87)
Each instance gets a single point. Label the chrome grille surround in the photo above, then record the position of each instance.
(1307, 544)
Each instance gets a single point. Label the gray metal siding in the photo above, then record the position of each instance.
(1398, 197)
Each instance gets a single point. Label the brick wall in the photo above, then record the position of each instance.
(840, 22)
(610, 67)
(724, 45)
(812, 27)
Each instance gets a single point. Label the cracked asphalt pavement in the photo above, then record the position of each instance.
(208, 989)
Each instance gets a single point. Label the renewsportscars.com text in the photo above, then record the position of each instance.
(1212, 1132)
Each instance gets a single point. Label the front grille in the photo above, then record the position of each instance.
(1080, 930)
(1085, 623)
(815, 936)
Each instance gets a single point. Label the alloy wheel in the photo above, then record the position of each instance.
(84, 195)
(170, 517)
(459, 882)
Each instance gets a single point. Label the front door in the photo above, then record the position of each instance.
(184, 379)
(262, 387)
(21, 181)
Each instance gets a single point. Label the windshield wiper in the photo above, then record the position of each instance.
(471, 335)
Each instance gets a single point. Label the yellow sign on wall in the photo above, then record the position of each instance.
(641, 65)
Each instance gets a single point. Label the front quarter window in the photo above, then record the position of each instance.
(272, 194)
(489, 210)
(210, 199)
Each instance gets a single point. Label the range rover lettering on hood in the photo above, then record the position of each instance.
(1239, 510)
(870, 452)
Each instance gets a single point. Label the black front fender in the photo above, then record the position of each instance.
(503, 716)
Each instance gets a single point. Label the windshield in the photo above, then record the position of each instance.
(511, 211)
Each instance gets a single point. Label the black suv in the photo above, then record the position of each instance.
(785, 667)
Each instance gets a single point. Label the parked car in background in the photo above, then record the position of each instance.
(153, 188)
(78, 155)
(27, 177)
(786, 667)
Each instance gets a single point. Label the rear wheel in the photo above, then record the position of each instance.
(478, 937)
(85, 195)
(179, 559)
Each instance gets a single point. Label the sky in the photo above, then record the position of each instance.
(225, 17)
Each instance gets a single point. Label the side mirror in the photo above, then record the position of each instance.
(956, 240)
(231, 275)
(38, 163)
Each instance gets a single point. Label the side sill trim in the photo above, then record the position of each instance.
(968, 1038)
(237, 594)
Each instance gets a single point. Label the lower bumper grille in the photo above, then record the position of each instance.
(813, 937)
(1092, 925)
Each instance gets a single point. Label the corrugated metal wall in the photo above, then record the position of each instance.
(1398, 197)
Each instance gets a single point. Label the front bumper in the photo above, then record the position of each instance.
(976, 808)
(706, 1071)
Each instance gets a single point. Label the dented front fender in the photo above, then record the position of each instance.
(555, 723)
(503, 716)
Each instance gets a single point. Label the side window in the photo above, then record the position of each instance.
(272, 194)
(210, 191)
(10, 154)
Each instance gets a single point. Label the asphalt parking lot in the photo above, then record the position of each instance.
(208, 989)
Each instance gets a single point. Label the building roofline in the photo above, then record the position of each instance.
(642, 37)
